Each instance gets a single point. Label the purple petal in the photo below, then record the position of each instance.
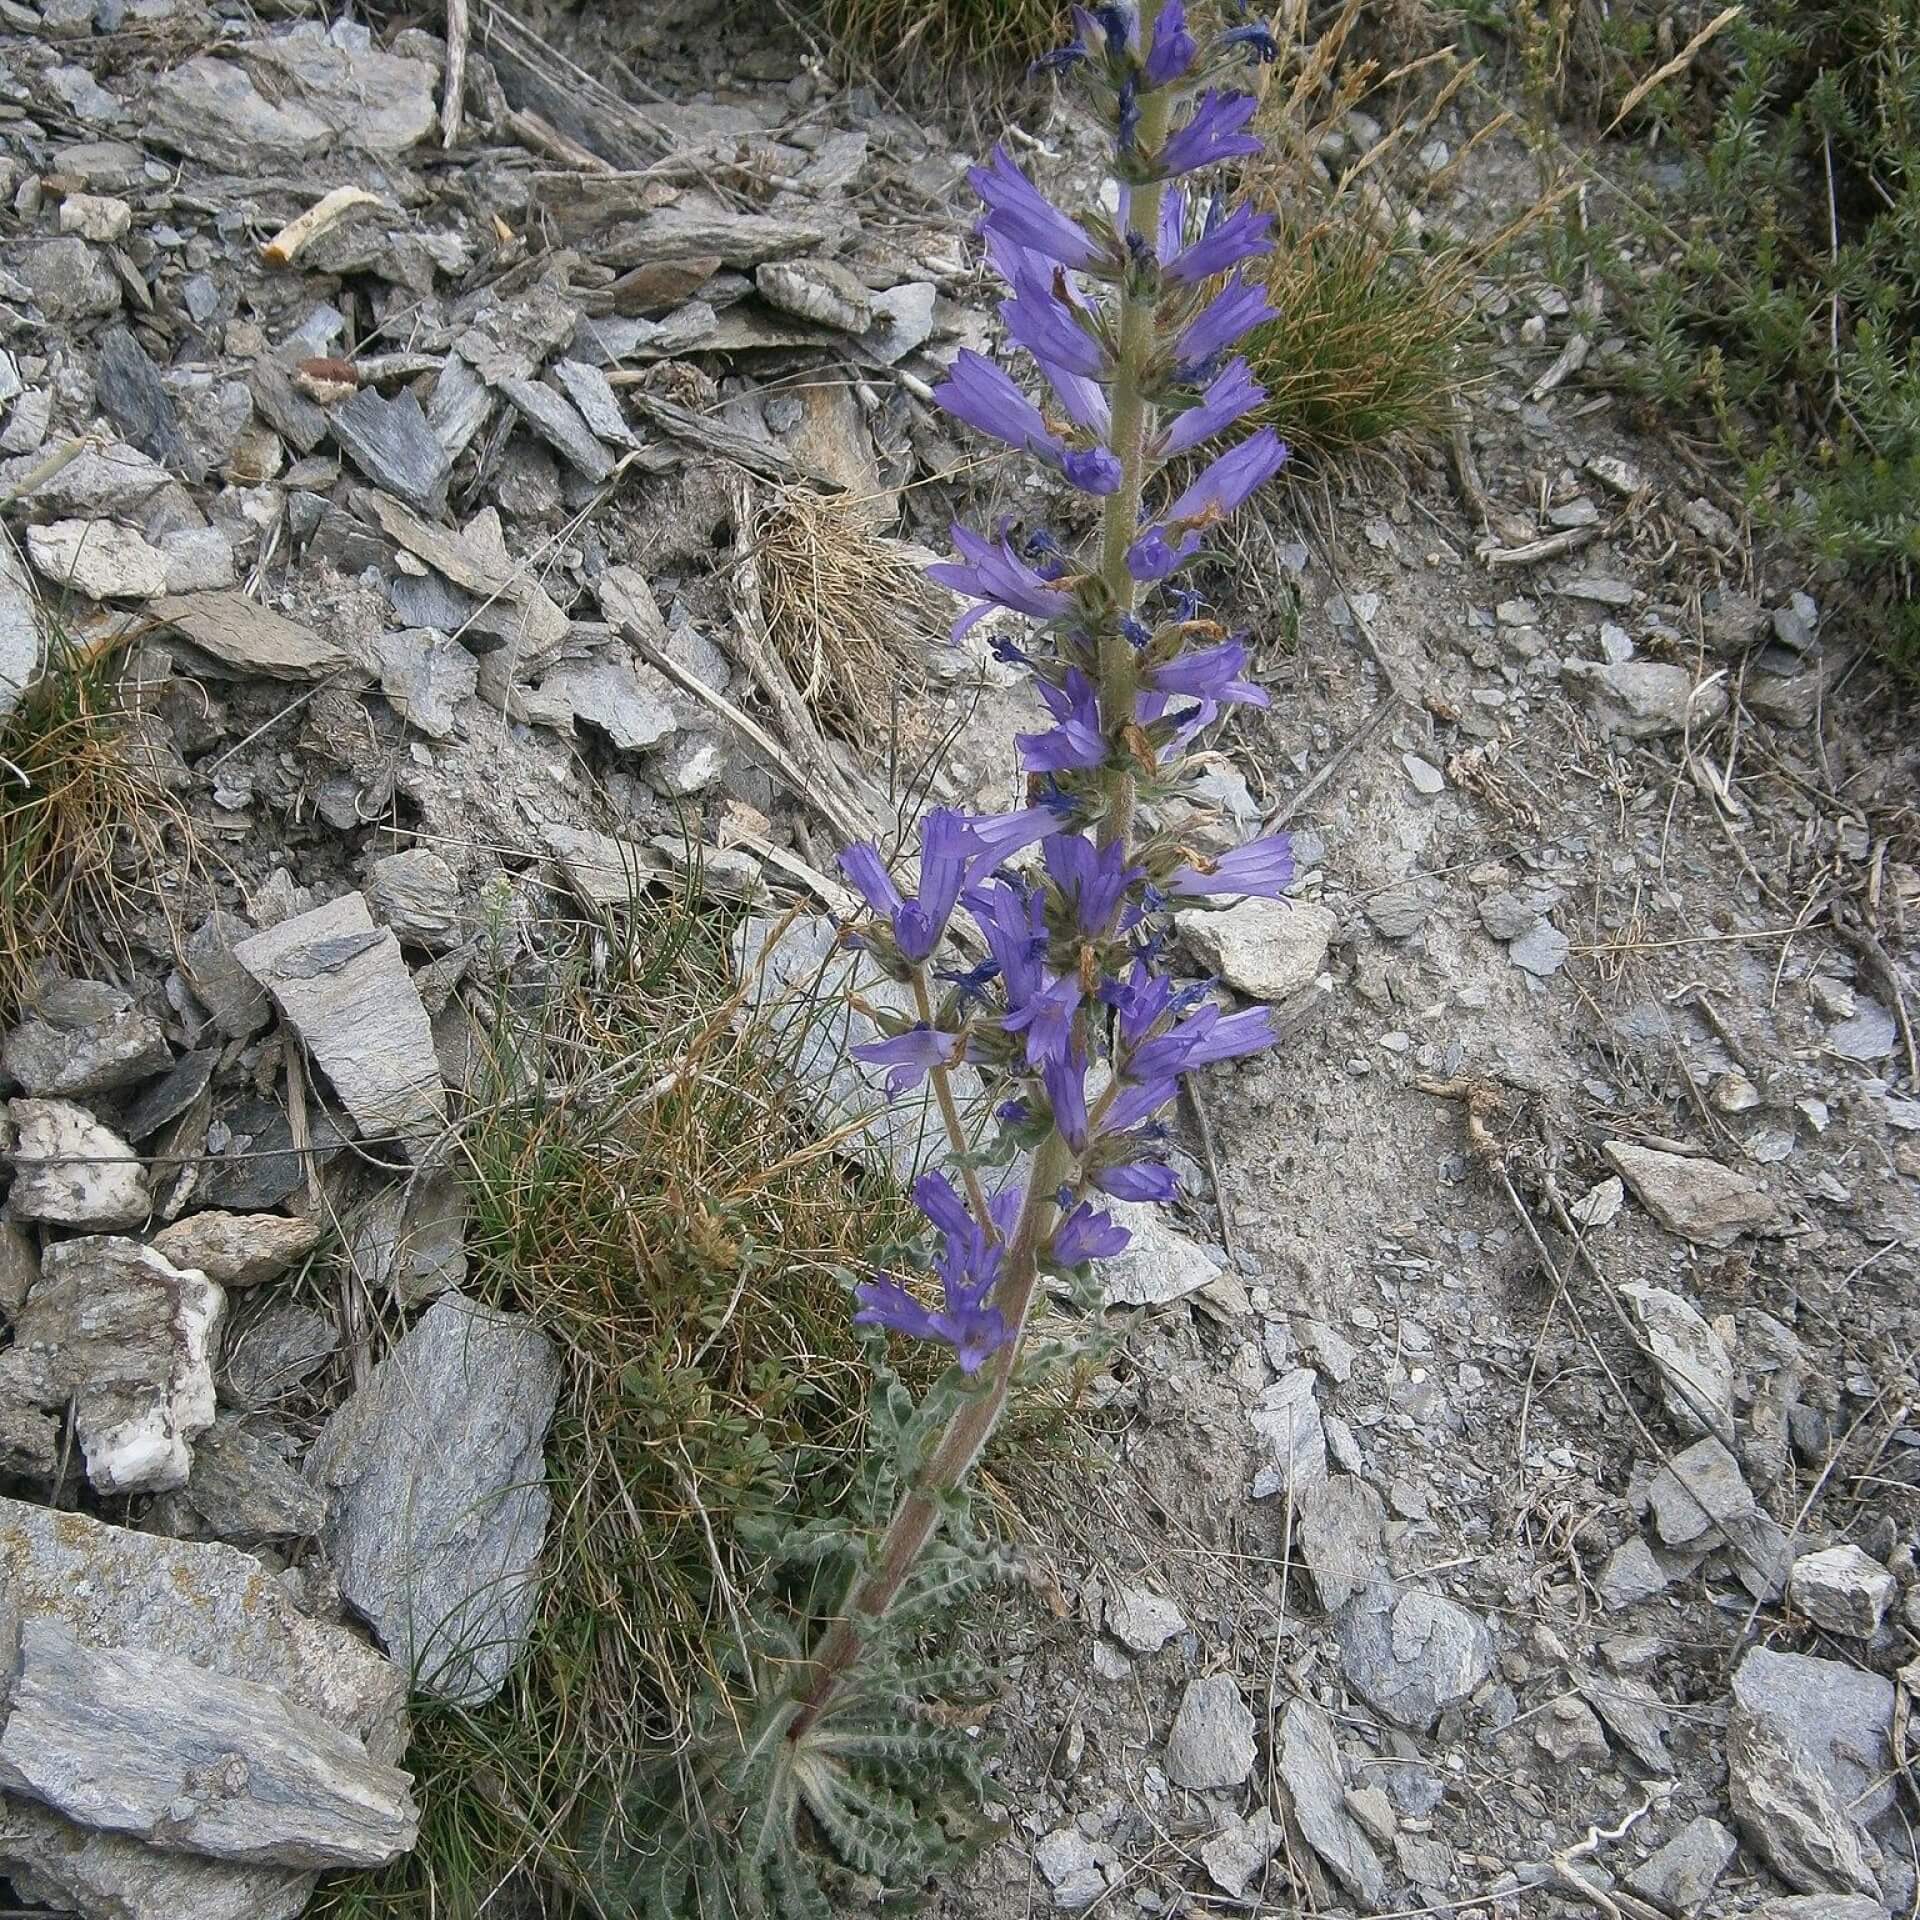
(1149, 1180)
(1232, 392)
(1237, 308)
(1173, 48)
(1066, 1084)
(1241, 235)
(989, 400)
(861, 863)
(1227, 484)
(1021, 212)
(1048, 327)
(1211, 134)
(1261, 867)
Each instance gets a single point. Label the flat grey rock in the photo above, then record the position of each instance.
(426, 677)
(156, 1747)
(604, 871)
(1411, 1655)
(417, 894)
(1680, 1876)
(1823, 1906)
(1266, 949)
(1633, 1573)
(1790, 1813)
(821, 290)
(245, 1492)
(1695, 1368)
(437, 1495)
(64, 1052)
(1141, 1620)
(1870, 1033)
(1644, 699)
(557, 421)
(20, 639)
(374, 102)
(127, 1339)
(1632, 1712)
(801, 985)
(1700, 1489)
(1510, 916)
(98, 559)
(210, 110)
(1288, 1420)
(1842, 1589)
(247, 638)
(1307, 1762)
(135, 398)
(1211, 1744)
(1838, 1716)
(1340, 1529)
(69, 1171)
(609, 691)
(1160, 1264)
(68, 279)
(219, 1609)
(392, 444)
(340, 983)
(1541, 951)
(1700, 1200)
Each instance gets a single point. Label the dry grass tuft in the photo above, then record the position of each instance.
(931, 38)
(848, 610)
(643, 1189)
(81, 826)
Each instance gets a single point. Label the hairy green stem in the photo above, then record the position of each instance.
(960, 1446)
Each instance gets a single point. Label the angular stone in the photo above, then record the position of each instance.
(426, 677)
(793, 972)
(270, 1354)
(68, 280)
(1839, 1718)
(1266, 949)
(199, 560)
(902, 321)
(1288, 1420)
(1541, 951)
(376, 102)
(247, 638)
(1340, 1528)
(1211, 1744)
(1142, 1620)
(173, 1094)
(1678, 1877)
(392, 444)
(69, 1171)
(1238, 1852)
(1569, 1733)
(410, 1240)
(1646, 698)
(1842, 1589)
(437, 1494)
(19, 1268)
(98, 559)
(1695, 1367)
(57, 1864)
(340, 983)
(1411, 1655)
(153, 1746)
(246, 1493)
(128, 1337)
(20, 641)
(1159, 1265)
(239, 1249)
(1698, 1199)
(210, 110)
(417, 894)
(1066, 1862)
(604, 871)
(1635, 1715)
(598, 405)
(1790, 1814)
(72, 1044)
(821, 290)
(1700, 1489)
(1509, 916)
(554, 418)
(1633, 1573)
(1307, 1761)
(627, 703)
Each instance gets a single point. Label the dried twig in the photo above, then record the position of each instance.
(1678, 64)
(453, 93)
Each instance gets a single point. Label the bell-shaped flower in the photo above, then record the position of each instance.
(1213, 132)
(1019, 211)
(1092, 881)
(1262, 867)
(969, 1266)
(1086, 1234)
(911, 1055)
(1233, 391)
(946, 849)
(995, 576)
(989, 400)
(1173, 46)
(1227, 239)
(1075, 739)
(1236, 309)
(1211, 674)
(1042, 319)
(1200, 1040)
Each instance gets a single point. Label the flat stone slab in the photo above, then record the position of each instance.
(437, 1497)
(340, 983)
(1700, 1200)
(158, 1747)
(1412, 1655)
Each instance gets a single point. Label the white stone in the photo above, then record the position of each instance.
(1159, 1266)
(1288, 1420)
(1842, 1589)
(1267, 949)
(1143, 1620)
(69, 1171)
(97, 558)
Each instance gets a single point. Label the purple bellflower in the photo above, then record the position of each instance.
(969, 1268)
(1021, 213)
(1042, 319)
(946, 847)
(912, 1056)
(1213, 133)
(1235, 310)
(995, 576)
(1173, 48)
(1075, 738)
(1226, 241)
(1261, 867)
(1086, 1234)
(988, 399)
(1232, 392)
